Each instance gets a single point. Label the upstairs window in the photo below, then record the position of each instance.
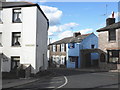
(92, 46)
(16, 36)
(112, 35)
(63, 47)
(17, 16)
(0, 38)
(54, 48)
(1, 16)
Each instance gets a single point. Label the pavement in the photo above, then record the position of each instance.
(8, 83)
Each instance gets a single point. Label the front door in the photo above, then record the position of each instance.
(87, 60)
(76, 63)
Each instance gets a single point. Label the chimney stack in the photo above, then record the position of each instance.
(110, 21)
(76, 34)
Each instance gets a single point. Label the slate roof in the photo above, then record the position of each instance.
(15, 4)
(112, 26)
(77, 39)
(22, 4)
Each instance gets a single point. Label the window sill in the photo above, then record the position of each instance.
(112, 41)
(16, 22)
(15, 46)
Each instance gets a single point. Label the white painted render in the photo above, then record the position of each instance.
(33, 38)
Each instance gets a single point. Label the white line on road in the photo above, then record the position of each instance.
(50, 87)
(66, 81)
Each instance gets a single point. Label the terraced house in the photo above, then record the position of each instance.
(23, 37)
(109, 42)
(67, 51)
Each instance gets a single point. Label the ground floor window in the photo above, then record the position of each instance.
(62, 60)
(15, 62)
(113, 56)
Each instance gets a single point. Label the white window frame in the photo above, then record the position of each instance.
(17, 15)
(54, 48)
(0, 39)
(62, 47)
(1, 16)
(16, 37)
(62, 60)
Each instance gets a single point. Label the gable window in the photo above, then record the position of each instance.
(112, 35)
(54, 48)
(92, 46)
(17, 16)
(16, 36)
(0, 38)
(1, 16)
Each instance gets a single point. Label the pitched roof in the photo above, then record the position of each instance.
(112, 26)
(77, 39)
(22, 4)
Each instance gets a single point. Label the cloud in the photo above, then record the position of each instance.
(65, 34)
(84, 31)
(53, 14)
(50, 33)
(60, 28)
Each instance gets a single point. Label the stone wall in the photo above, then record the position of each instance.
(119, 38)
(104, 42)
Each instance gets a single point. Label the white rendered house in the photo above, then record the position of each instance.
(23, 36)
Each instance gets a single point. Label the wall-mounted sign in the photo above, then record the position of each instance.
(71, 45)
(29, 45)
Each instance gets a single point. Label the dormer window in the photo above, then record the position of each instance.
(1, 16)
(112, 35)
(17, 16)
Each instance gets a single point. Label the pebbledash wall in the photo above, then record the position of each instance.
(85, 44)
(33, 30)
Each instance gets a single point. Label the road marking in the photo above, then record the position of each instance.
(66, 81)
(50, 87)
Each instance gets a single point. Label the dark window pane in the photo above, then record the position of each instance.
(112, 35)
(17, 15)
(16, 36)
(92, 46)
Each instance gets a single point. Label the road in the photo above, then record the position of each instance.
(70, 78)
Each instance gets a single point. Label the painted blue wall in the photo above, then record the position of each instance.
(85, 44)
